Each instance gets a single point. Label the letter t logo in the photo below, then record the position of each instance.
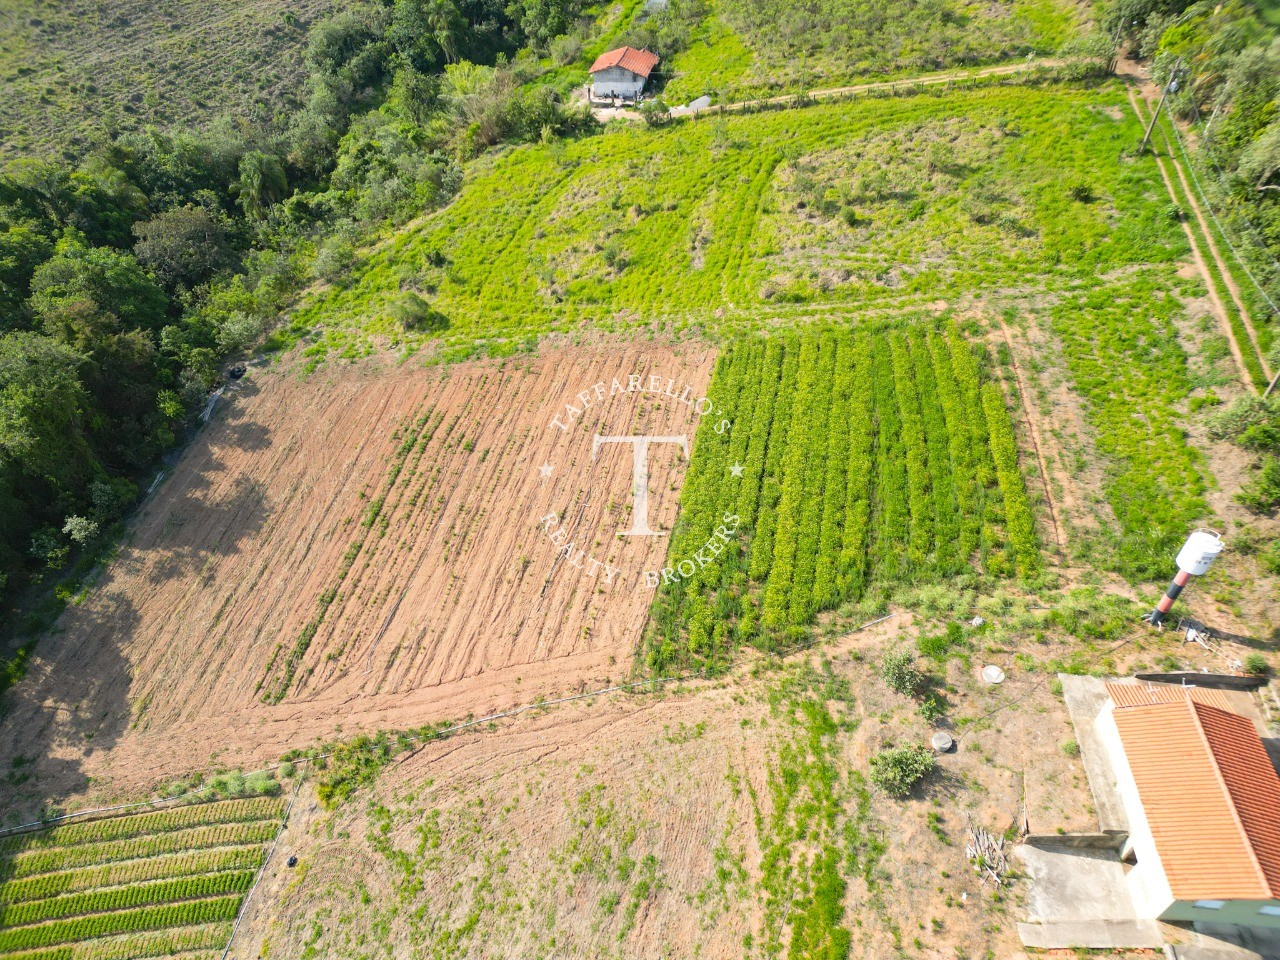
(640, 477)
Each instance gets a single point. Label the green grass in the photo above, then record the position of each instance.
(833, 462)
(1249, 353)
(713, 63)
(880, 204)
(812, 836)
(140, 885)
(1262, 315)
(1123, 356)
(744, 51)
(71, 70)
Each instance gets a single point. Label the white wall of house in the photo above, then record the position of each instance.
(1152, 897)
(1146, 880)
(616, 82)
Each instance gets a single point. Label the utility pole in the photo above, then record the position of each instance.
(1171, 85)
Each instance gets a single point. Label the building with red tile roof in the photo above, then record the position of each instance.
(622, 73)
(1203, 803)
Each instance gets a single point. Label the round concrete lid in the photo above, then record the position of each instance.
(993, 674)
(942, 742)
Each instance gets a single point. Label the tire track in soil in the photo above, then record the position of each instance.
(1228, 280)
(1033, 432)
(185, 620)
(1215, 301)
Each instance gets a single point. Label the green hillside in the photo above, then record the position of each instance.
(73, 70)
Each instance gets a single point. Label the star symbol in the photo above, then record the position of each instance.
(545, 470)
(736, 470)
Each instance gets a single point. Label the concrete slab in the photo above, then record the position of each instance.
(1085, 697)
(1092, 935)
(1070, 884)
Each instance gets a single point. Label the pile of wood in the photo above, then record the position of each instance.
(987, 855)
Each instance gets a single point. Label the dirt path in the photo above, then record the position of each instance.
(925, 80)
(1215, 301)
(1030, 417)
(1232, 287)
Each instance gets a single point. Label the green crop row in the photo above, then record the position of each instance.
(152, 943)
(833, 459)
(18, 866)
(188, 913)
(123, 898)
(1017, 510)
(47, 885)
(158, 943)
(141, 824)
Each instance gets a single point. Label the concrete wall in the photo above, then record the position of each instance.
(1241, 912)
(616, 82)
(1146, 880)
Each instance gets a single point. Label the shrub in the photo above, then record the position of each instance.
(336, 257)
(897, 770)
(1256, 665)
(1262, 493)
(1269, 557)
(932, 708)
(1071, 749)
(1081, 191)
(416, 315)
(938, 646)
(897, 670)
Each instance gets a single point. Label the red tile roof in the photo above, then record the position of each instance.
(1211, 797)
(1144, 694)
(639, 62)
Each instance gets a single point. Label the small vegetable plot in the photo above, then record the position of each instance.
(847, 459)
(147, 885)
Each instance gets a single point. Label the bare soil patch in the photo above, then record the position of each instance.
(537, 838)
(456, 602)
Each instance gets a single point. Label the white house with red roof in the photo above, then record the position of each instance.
(622, 73)
(1203, 804)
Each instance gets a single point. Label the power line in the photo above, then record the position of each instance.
(1208, 206)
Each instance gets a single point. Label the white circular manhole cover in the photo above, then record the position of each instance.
(942, 742)
(993, 674)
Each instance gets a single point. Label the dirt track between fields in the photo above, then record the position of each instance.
(1149, 93)
(457, 601)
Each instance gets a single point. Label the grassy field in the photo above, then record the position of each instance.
(1021, 201)
(70, 70)
(146, 885)
(745, 50)
(875, 206)
(848, 459)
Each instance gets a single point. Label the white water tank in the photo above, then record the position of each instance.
(1199, 552)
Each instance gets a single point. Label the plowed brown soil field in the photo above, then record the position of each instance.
(364, 548)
